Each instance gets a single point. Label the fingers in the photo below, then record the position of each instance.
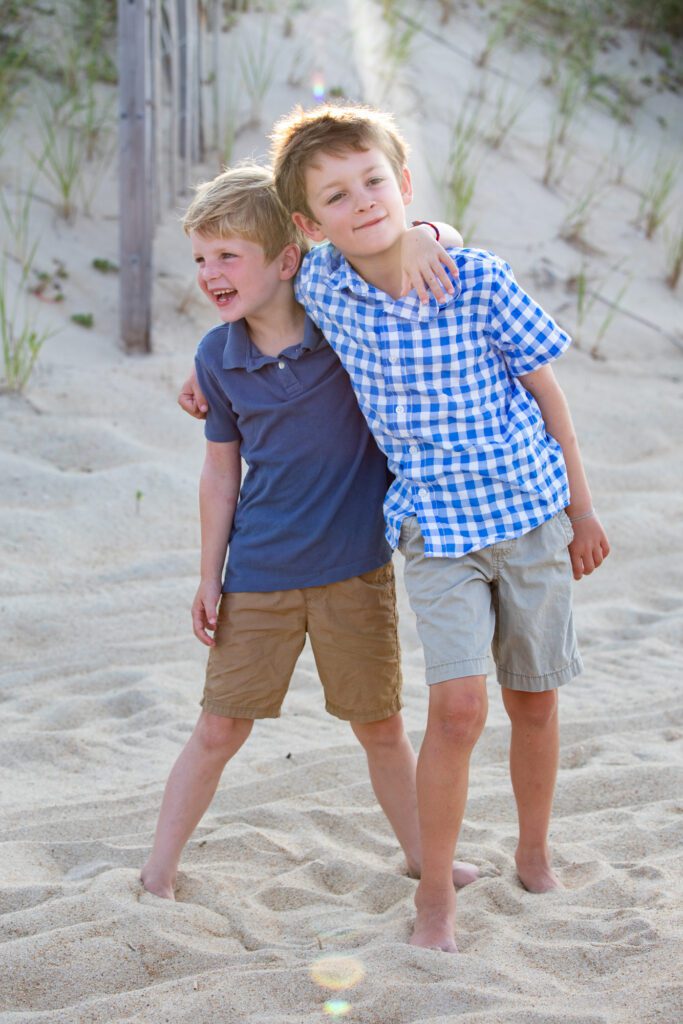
(421, 289)
(587, 560)
(191, 399)
(187, 404)
(431, 280)
(450, 263)
(203, 619)
(577, 563)
(438, 284)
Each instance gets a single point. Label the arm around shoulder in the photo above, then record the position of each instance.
(424, 259)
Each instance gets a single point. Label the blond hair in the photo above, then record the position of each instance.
(242, 202)
(299, 135)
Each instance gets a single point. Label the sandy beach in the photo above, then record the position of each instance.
(293, 905)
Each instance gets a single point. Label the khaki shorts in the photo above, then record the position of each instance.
(353, 629)
(514, 597)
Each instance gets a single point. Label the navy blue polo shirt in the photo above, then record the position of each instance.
(310, 506)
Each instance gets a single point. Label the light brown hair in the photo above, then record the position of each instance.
(299, 135)
(242, 202)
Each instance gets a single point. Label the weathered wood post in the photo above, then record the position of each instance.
(135, 206)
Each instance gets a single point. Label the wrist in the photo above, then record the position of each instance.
(210, 579)
(427, 224)
(576, 517)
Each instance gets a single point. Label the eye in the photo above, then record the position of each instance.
(227, 255)
(334, 198)
(199, 260)
(375, 181)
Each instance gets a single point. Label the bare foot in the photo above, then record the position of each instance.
(435, 921)
(535, 872)
(154, 883)
(464, 873)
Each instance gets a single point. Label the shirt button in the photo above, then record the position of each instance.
(423, 492)
(281, 364)
(399, 408)
(413, 449)
(393, 359)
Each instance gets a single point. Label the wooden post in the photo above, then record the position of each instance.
(174, 113)
(217, 135)
(135, 214)
(156, 107)
(185, 91)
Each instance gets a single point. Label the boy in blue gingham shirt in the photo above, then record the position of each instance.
(456, 385)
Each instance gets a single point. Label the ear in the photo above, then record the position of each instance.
(310, 227)
(290, 259)
(406, 186)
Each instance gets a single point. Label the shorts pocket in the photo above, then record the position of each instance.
(565, 523)
(378, 577)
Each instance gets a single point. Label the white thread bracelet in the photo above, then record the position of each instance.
(584, 515)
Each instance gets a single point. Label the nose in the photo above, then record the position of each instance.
(363, 200)
(208, 270)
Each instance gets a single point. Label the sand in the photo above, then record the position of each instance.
(293, 907)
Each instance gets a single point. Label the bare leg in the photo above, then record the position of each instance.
(392, 766)
(189, 791)
(457, 712)
(534, 755)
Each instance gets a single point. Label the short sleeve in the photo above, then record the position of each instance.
(221, 422)
(526, 335)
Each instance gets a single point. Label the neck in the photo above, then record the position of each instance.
(277, 326)
(384, 270)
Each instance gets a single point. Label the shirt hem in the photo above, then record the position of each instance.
(242, 585)
(452, 549)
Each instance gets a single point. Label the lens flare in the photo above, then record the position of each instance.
(318, 86)
(337, 1007)
(337, 972)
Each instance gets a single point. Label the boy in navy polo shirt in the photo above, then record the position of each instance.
(307, 553)
(460, 395)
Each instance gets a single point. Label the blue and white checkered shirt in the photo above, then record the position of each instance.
(438, 386)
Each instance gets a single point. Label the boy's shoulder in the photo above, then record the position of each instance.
(480, 263)
(322, 259)
(324, 262)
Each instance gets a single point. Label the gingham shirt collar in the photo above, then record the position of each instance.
(409, 307)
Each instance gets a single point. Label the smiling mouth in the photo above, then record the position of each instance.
(370, 224)
(223, 296)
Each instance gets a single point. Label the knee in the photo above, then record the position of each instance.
(532, 710)
(218, 735)
(388, 732)
(461, 719)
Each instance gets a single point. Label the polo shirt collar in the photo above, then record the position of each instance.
(408, 307)
(240, 353)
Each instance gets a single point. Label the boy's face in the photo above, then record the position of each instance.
(234, 275)
(356, 201)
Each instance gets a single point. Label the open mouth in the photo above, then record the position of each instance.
(223, 297)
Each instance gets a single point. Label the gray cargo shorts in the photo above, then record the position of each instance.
(512, 598)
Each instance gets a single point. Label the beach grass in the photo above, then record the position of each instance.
(657, 193)
(20, 336)
(577, 218)
(257, 65)
(674, 258)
